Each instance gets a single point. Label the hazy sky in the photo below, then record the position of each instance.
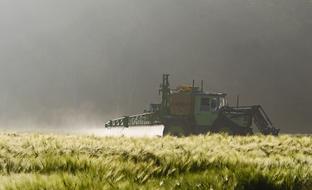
(71, 60)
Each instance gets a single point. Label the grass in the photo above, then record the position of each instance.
(34, 161)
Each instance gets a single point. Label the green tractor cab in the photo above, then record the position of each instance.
(189, 110)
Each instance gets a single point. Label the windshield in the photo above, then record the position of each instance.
(222, 102)
(212, 103)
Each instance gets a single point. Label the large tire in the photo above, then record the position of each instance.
(174, 130)
(178, 127)
(225, 130)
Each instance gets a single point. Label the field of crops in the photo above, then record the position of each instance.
(34, 161)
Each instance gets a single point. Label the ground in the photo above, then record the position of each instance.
(41, 161)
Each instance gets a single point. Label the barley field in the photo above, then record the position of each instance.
(213, 161)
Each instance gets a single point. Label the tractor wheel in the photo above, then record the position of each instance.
(174, 130)
(226, 130)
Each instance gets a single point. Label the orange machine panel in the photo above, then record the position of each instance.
(181, 104)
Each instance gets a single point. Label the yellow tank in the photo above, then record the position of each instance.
(184, 88)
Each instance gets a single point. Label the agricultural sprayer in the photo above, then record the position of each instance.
(189, 110)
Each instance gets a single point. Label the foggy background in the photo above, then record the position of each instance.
(78, 62)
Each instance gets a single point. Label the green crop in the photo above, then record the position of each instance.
(38, 161)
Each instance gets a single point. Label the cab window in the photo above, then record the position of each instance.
(221, 102)
(214, 104)
(205, 104)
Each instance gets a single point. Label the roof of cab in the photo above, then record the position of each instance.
(211, 94)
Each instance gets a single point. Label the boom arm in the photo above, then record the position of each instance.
(134, 120)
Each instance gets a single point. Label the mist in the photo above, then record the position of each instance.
(75, 62)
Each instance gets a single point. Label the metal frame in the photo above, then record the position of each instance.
(134, 120)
